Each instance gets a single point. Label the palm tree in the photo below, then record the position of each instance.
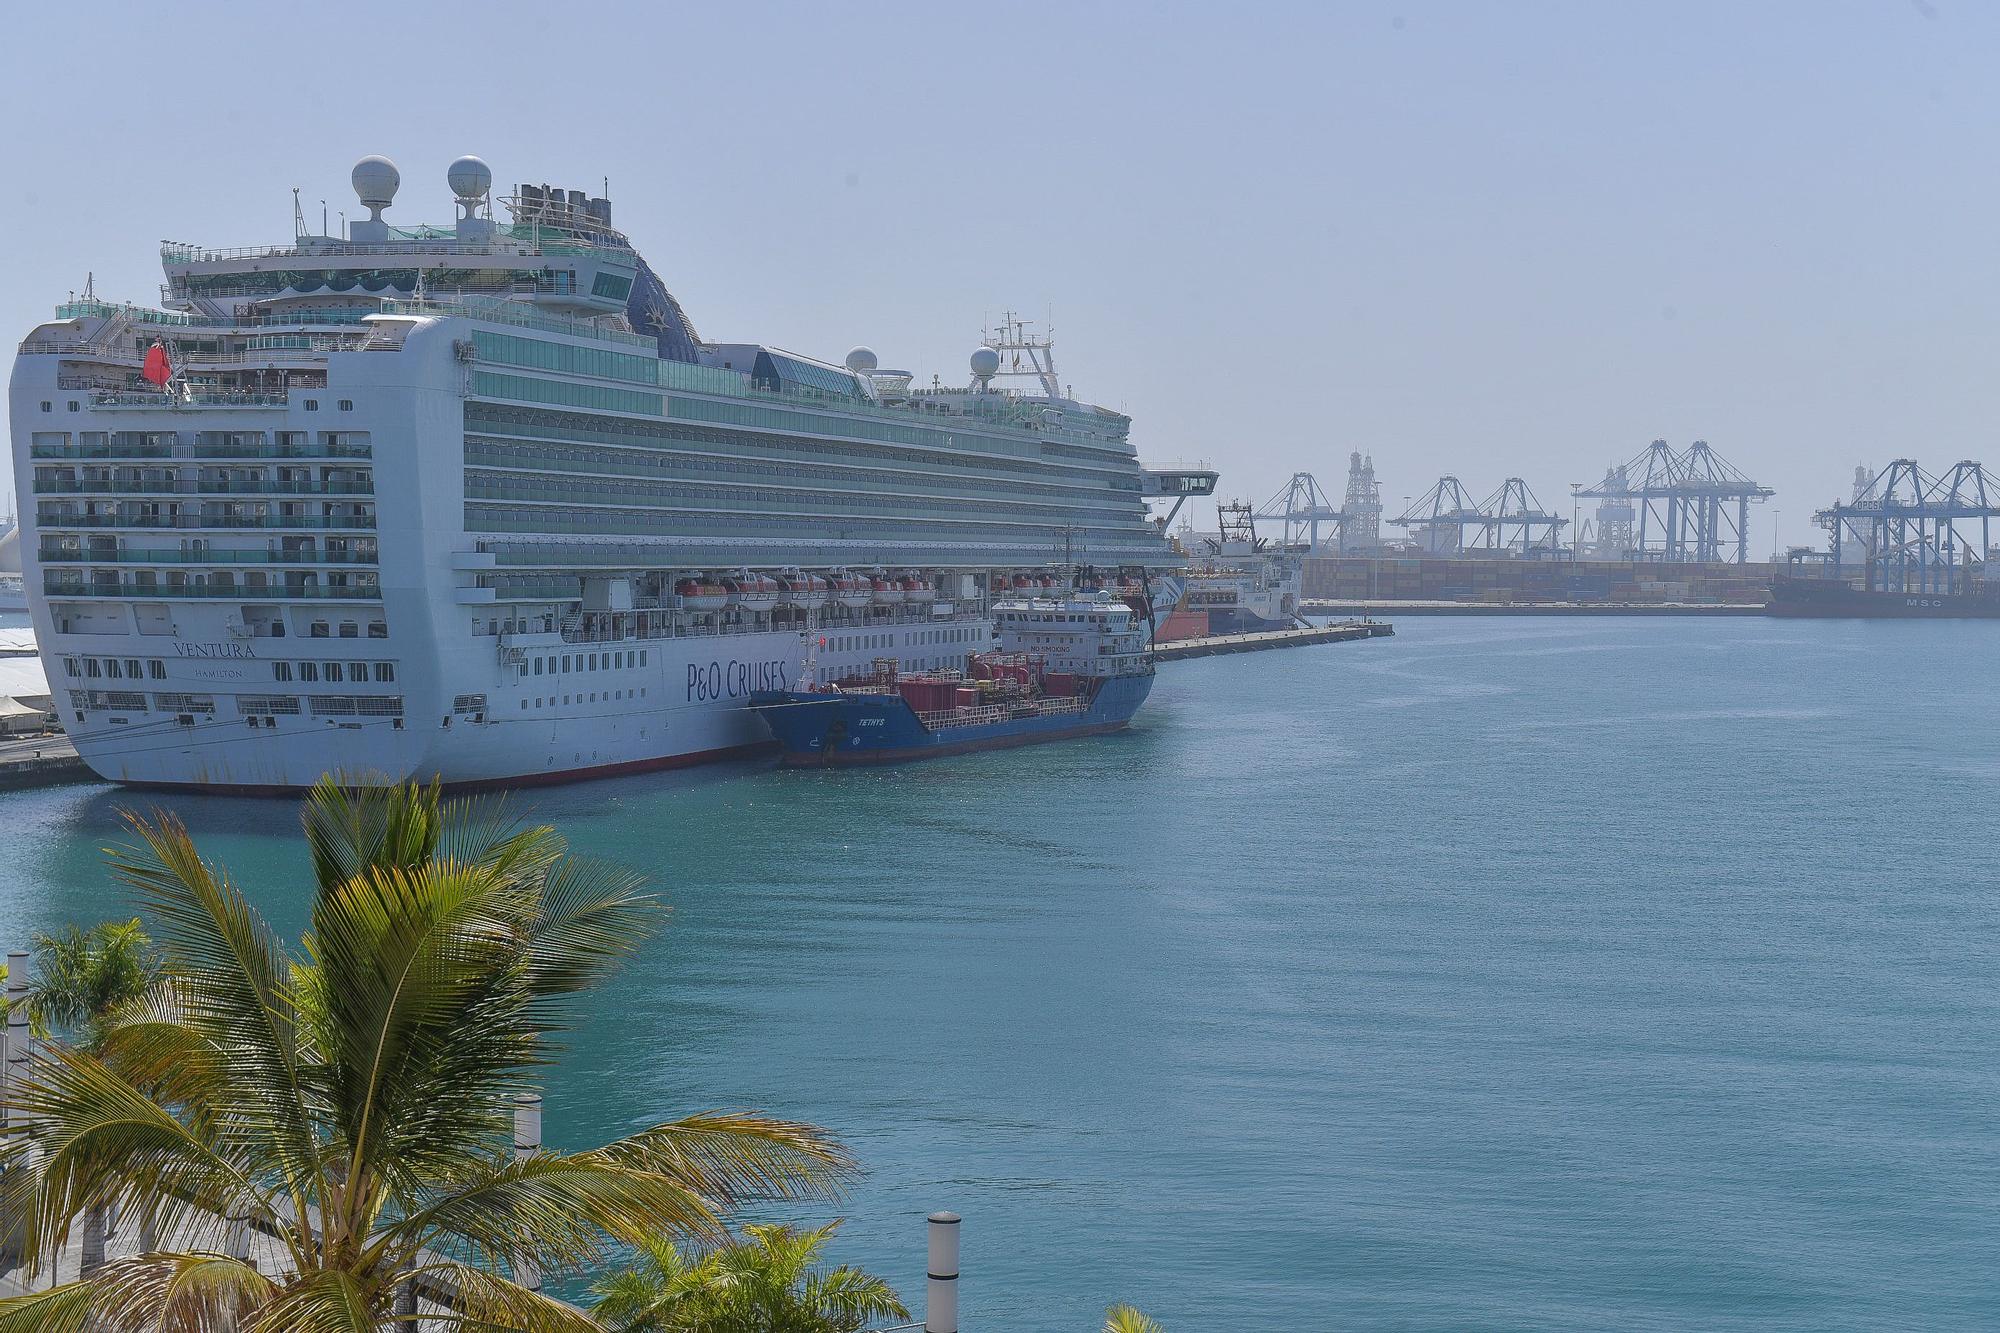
(82, 977)
(1125, 1319)
(351, 1099)
(770, 1281)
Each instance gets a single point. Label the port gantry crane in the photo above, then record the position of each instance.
(1302, 506)
(1907, 523)
(1697, 504)
(1446, 521)
(1439, 518)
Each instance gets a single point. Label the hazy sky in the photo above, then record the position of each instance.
(1484, 238)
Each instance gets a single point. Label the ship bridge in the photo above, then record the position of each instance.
(1178, 484)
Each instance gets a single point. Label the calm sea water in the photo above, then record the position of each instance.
(1507, 974)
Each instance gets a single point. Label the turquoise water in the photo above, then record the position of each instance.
(1506, 974)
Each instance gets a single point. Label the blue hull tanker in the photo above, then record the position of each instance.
(1066, 666)
(857, 727)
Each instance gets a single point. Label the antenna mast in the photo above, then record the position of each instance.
(1024, 354)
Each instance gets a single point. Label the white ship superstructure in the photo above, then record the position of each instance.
(476, 501)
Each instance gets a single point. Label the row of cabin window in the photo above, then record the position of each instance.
(841, 643)
(609, 696)
(383, 672)
(539, 424)
(114, 668)
(583, 662)
(319, 629)
(311, 405)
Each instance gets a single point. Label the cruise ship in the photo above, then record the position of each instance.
(475, 501)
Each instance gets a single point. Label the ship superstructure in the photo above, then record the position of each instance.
(478, 501)
(1074, 664)
(1239, 583)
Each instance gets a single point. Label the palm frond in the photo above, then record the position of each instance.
(849, 1298)
(589, 917)
(735, 1157)
(352, 827)
(555, 1208)
(487, 1301)
(99, 1140)
(1125, 1319)
(484, 831)
(64, 1309)
(426, 1039)
(180, 1291)
(151, 1046)
(328, 1301)
(230, 976)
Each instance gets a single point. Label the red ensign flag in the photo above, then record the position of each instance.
(156, 370)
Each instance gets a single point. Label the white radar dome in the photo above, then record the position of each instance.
(469, 178)
(375, 181)
(861, 360)
(985, 363)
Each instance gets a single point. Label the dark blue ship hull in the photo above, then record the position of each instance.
(1834, 598)
(1237, 620)
(884, 729)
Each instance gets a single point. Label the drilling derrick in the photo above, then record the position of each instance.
(1361, 521)
(1613, 539)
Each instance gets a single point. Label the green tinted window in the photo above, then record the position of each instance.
(523, 388)
(539, 354)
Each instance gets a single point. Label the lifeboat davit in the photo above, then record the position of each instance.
(752, 592)
(851, 592)
(696, 595)
(803, 590)
(887, 592)
(917, 591)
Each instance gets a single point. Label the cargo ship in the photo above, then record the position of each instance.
(1064, 666)
(1808, 597)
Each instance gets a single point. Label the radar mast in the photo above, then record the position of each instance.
(1024, 354)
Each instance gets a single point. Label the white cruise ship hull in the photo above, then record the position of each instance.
(686, 703)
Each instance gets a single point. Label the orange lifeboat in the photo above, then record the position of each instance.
(752, 592)
(851, 592)
(802, 590)
(697, 595)
(886, 592)
(917, 591)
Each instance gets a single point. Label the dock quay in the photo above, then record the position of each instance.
(51, 760)
(1216, 644)
(41, 761)
(1531, 608)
